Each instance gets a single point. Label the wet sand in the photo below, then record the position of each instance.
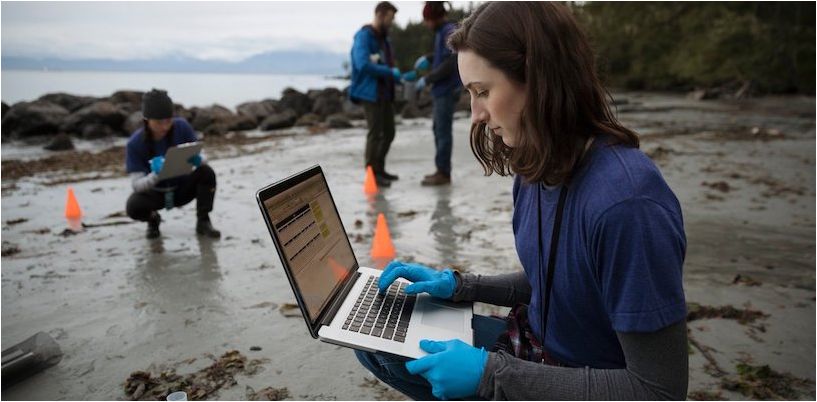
(117, 303)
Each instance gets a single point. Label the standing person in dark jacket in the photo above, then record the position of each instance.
(446, 88)
(144, 159)
(373, 79)
(599, 311)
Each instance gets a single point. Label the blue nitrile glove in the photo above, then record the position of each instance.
(195, 160)
(410, 76)
(395, 72)
(436, 283)
(422, 63)
(420, 84)
(156, 164)
(454, 368)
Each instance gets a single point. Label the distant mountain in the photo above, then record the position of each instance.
(274, 62)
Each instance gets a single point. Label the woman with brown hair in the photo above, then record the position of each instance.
(599, 310)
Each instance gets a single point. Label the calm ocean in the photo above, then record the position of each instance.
(189, 89)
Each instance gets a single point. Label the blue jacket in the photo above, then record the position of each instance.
(368, 64)
(445, 84)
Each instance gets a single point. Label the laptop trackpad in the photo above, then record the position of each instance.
(442, 316)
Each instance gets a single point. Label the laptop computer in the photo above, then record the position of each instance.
(339, 300)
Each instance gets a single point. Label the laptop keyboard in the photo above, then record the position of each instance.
(383, 316)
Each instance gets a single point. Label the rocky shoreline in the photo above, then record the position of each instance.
(56, 119)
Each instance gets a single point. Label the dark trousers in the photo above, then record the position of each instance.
(443, 126)
(391, 369)
(380, 120)
(199, 185)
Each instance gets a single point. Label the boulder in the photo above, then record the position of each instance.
(464, 103)
(338, 120)
(258, 110)
(702, 94)
(283, 119)
(94, 131)
(26, 119)
(242, 123)
(353, 111)
(212, 119)
(411, 111)
(72, 103)
(5, 108)
(60, 142)
(129, 101)
(296, 101)
(308, 119)
(180, 111)
(133, 122)
(328, 103)
(103, 112)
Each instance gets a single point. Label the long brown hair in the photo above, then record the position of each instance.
(539, 45)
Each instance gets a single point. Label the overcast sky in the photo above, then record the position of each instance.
(205, 30)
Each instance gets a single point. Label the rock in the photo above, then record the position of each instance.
(217, 119)
(308, 119)
(96, 130)
(70, 102)
(207, 116)
(133, 122)
(464, 103)
(26, 119)
(338, 120)
(103, 112)
(241, 123)
(352, 110)
(411, 111)
(328, 103)
(180, 111)
(702, 94)
(283, 119)
(258, 110)
(129, 101)
(296, 101)
(5, 108)
(60, 142)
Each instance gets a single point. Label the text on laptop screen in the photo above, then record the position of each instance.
(312, 239)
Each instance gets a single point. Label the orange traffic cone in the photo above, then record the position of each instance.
(369, 184)
(382, 246)
(72, 211)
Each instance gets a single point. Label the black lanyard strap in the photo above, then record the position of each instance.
(554, 242)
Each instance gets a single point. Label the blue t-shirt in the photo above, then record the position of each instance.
(441, 52)
(619, 260)
(138, 153)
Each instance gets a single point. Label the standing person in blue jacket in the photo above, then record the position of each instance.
(446, 88)
(144, 159)
(598, 310)
(373, 79)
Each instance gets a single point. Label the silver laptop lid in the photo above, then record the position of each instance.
(310, 239)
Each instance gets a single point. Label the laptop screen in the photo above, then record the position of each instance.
(312, 240)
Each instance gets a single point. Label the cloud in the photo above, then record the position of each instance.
(228, 31)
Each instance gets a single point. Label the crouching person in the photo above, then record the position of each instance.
(144, 159)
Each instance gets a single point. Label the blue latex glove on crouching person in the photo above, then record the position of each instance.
(409, 76)
(422, 63)
(156, 164)
(453, 368)
(440, 284)
(420, 84)
(195, 160)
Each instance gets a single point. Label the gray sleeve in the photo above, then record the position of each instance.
(445, 69)
(657, 368)
(143, 182)
(501, 290)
